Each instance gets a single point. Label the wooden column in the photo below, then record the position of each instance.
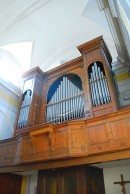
(33, 80)
(37, 75)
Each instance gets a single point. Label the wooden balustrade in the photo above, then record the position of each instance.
(74, 139)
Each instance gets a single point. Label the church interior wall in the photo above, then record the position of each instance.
(9, 100)
(9, 103)
(122, 79)
(31, 184)
(112, 175)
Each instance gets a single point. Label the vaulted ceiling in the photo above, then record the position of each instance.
(55, 28)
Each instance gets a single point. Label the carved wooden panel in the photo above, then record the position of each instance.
(27, 147)
(98, 133)
(1, 152)
(59, 143)
(95, 136)
(18, 147)
(107, 109)
(61, 139)
(9, 151)
(111, 135)
(42, 143)
(77, 139)
(94, 56)
(120, 128)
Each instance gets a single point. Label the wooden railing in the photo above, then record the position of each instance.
(79, 138)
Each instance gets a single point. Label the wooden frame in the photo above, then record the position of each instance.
(103, 132)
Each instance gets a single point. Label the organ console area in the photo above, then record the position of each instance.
(79, 89)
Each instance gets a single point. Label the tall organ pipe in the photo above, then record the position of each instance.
(66, 103)
(98, 84)
(102, 86)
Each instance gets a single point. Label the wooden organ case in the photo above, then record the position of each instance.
(69, 118)
(80, 89)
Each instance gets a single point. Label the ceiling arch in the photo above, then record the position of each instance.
(56, 28)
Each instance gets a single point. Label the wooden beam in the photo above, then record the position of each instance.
(68, 162)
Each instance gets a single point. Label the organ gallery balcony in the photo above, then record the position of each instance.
(86, 141)
(70, 114)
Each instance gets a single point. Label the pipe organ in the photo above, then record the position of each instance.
(79, 89)
(69, 116)
(66, 103)
(98, 85)
(24, 110)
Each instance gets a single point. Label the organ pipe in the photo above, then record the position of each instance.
(24, 111)
(66, 103)
(98, 86)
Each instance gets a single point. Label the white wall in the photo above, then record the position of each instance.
(112, 175)
(31, 183)
(9, 100)
(124, 84)
(7, 120)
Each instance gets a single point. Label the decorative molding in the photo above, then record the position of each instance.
(100, 4)
(114, 28)
(126, 36)
(103, 5)
(117, 30)
(113, 8)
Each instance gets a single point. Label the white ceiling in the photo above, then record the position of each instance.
(56, 28)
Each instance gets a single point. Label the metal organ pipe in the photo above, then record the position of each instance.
(76, 103)
(60, 104)
(102, 86)
(107, 89)
(63, 90)
(66, 103)
(69, 95)
(66, 96)
(79, 104)
(91, 89)
(71, 100)
(95, 89)
(24, 111)
(56, 105)
(98, 86)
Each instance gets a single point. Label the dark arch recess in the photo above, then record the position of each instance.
(99, 64)
(75, 79)
(24, 94)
